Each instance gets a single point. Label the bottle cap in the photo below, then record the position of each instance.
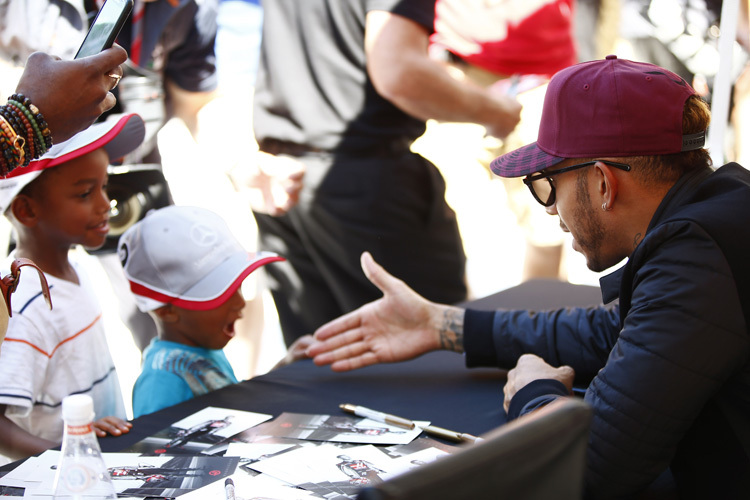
(78, 409)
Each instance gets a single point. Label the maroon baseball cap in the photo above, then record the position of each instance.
(606, 108)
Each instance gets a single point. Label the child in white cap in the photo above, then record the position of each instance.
(57, 202)
(185, 268)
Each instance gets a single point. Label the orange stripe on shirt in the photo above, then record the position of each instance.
(49, 355)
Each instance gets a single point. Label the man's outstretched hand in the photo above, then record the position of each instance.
(399, 326)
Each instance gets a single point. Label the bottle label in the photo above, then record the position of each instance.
(80, 430)
(79, 478)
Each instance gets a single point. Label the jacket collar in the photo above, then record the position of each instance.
(678, 194)
(675, 197)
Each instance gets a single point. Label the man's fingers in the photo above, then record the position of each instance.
(367, 359)
(345, 323)
(349, 346)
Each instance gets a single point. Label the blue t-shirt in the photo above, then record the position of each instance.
(172, 373)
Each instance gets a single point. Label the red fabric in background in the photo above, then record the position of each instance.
(541, 43)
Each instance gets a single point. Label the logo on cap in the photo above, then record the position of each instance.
(203, 235)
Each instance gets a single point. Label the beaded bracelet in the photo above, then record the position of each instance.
(24, 133)
(25, 115)
(8, 159)
(17, 119)
(28, 119)
(17, 126)
(16, 143)
(38, 117)
(36, 143)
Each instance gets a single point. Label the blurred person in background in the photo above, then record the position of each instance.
(510, 48)
(343, 90)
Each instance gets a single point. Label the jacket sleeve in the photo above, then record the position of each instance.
(579, 337)
(534, 395)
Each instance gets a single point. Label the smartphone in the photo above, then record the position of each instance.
(105, 28)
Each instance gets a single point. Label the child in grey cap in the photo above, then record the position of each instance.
(186, 268)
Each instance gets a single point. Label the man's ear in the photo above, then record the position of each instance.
(25, 210)
(607, 184)
(167, 313)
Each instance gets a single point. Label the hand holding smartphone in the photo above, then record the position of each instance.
(105, 28)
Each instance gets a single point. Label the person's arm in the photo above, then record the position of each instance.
(296, 352)
(186, 105)
(272, 183)
(579, 337)
(190, 78)
(399, 326)
(71, 94)
(16, 443)
(402, 72)
(403, 325)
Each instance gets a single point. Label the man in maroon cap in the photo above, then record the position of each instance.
(620, 160)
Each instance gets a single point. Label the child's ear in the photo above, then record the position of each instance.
(24, 210)
(167, 314)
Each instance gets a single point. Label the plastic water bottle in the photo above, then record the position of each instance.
(81, 472)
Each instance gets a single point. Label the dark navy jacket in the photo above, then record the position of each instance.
(669, 366)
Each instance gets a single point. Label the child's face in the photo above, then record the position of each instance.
(72, 201)
(211, 329)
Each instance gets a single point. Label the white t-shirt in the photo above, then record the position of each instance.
(50, 354)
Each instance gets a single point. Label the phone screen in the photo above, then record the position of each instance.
(106, 27)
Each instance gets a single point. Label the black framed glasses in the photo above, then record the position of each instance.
(9, 283)
(543, 189)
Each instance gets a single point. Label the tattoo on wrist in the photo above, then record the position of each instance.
(451, 330)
